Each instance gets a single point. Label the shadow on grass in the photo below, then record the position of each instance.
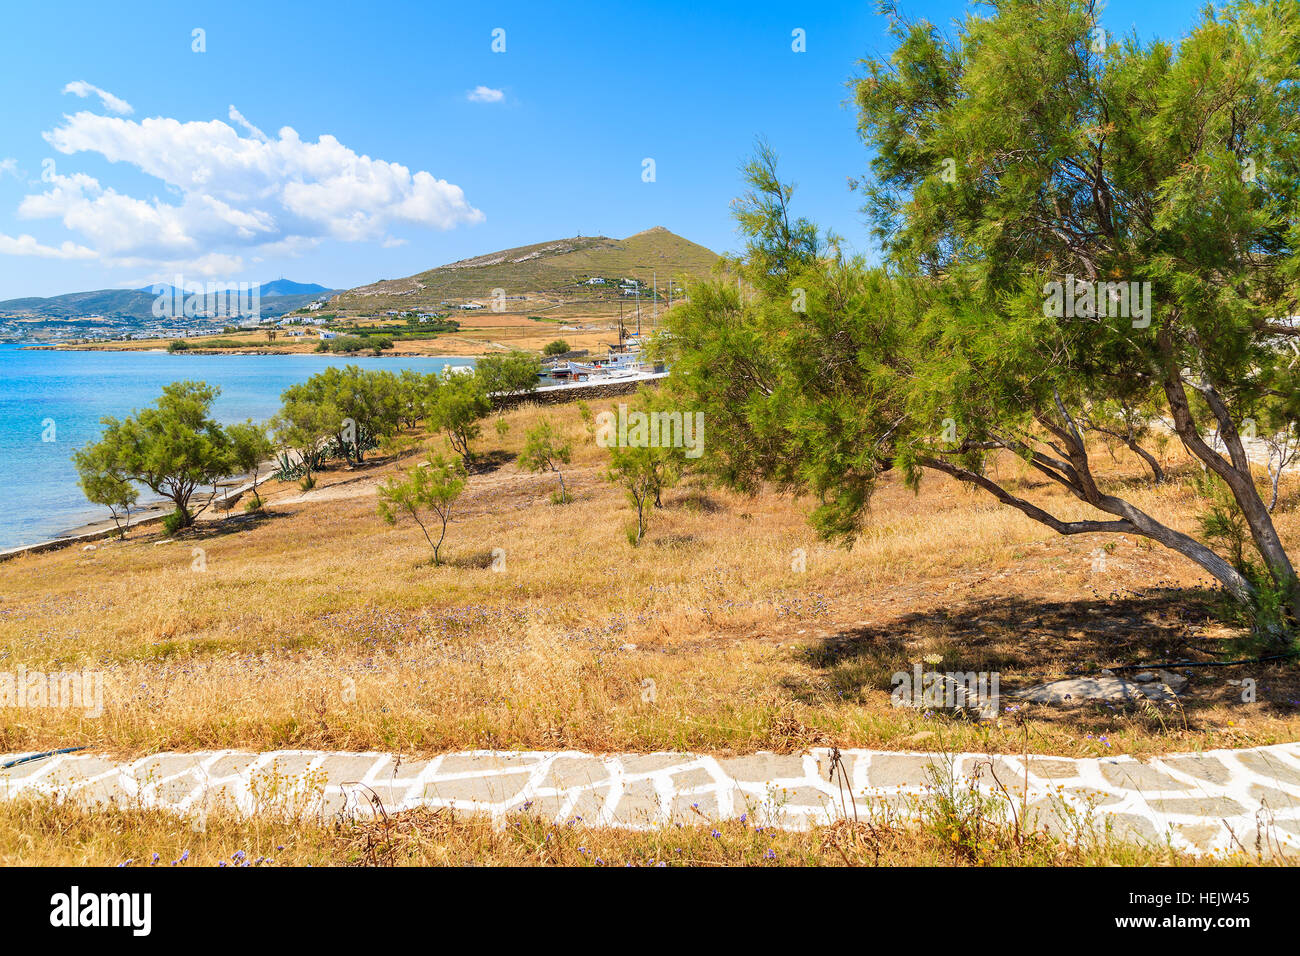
(484, 463)
(481, 560)
(234, 523)
(1034, 641)
(696, 502)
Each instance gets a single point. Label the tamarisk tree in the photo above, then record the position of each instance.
(172, 447)
(1076, 228)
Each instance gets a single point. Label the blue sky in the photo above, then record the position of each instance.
(161, 175)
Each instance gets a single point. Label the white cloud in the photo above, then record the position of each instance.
(26, 245)
(230, 192)
(253, 131)
(485, 94)
(9, 167)
(114, 104)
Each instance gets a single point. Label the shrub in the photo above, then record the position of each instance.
(172, 447)
(433, 486)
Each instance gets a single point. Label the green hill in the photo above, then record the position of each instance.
(276, 298)
(558, 269)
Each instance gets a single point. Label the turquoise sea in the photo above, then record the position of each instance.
(51, 403)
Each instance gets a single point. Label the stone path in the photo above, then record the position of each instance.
(1211, 802)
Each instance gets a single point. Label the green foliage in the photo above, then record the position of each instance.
(1006, 158)
(249, 447)
(509, 374)
(337, 410)
(355, 343)
(171, 447)
(428, 491)
(1222, 524)
(557, 347)
(456, 407)
(643, 471)
(545, 449)
(178, 345)
(104, 482)
(777, 245)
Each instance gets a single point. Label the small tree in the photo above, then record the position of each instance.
(558, 347)
(172, 447)
(104, 484)
(641, 473)
(545, 450)
(644, 468)
(511, 374)
(433, 486)
(300, 426)
(1283, 448)
(457, 406)
(249, 447)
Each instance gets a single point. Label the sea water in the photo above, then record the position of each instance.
(51, 403)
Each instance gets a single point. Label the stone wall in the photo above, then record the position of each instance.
(573, 393)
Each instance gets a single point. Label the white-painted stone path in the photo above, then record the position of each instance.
(1211, 802)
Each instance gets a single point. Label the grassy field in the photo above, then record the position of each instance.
(315, 625)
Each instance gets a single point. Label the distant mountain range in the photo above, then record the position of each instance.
(277, 297)
(561, 268)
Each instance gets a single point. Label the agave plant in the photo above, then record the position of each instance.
(287, 469)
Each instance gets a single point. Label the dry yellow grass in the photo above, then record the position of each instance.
(44, 833)
(315, 625)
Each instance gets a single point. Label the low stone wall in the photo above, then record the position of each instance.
(561, 395)
(54, 544)
(156, 514)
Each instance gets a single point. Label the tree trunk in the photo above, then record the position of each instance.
(1237, 476)
(1133, 521)
(1151, 460)
(1275, 477)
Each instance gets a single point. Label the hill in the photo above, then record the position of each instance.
(559, 269)
(289, 287)
(277, 297)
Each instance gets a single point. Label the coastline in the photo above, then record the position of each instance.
(147, 514)
(389, 353)
(154, 512)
